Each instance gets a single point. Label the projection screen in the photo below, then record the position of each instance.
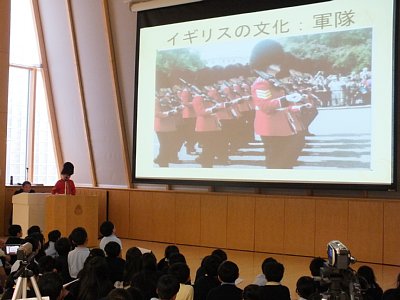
(302, 94)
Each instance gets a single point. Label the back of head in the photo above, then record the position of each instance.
(46, 264)
(50, 284)
(54, 235)
(112, 249)
(315, 266)
(96, 252)
(34, 229)
(305, 286)
(167, 287)
(119, 294)
(14, 230)
(149, 262)
(169, 250)
(251, 292)
(78, 236)
(63, 246)
(176, 258)
(211, 264)
(391, 294)
(221, 254)
(274, 271)
(267, 261)
(181, 272)
(368, 274)
(228, 272)
(106, 228)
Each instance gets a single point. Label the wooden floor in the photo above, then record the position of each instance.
(250, 264)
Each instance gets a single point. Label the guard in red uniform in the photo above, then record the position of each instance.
(278, 115)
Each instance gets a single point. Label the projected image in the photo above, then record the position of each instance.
(301, 102)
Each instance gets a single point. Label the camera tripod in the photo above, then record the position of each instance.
(20, 291)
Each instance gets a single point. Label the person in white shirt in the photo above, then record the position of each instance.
(77, 257)
(107, 230)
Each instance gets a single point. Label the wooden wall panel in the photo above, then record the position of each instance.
(331, 223)
(240, 223)
(213, 220)
(141, 215)
(118, 211)
(391, 233)
(299, 226)
(187, 219)
(269, 224)
(163, 215)
(366, 230)
(102, 201)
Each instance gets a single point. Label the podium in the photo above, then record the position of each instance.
(28, 210)
(66, 212)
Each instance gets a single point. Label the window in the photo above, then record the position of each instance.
(30, 151)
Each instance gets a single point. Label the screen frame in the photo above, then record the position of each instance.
(211, 9)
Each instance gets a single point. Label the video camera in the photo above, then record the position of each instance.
(342, 281)
(25, 253)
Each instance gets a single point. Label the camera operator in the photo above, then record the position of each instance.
(26, 258)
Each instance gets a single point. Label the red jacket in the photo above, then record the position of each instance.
(271, 118)
(64, 187)
(206, 119)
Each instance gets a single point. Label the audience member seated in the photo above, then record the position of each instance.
(315, 268)
(25, 188)
(119, 294)
(46, 264)
(94, 280)
(133, 265)
(135, 293)
(260, 278)
(374, 291)
(167, 288)
(181, 272)
(393, 294)
(163, 263)
(14, 238)
(40, 237)
(273, 290)
(49, 247)
(216, 252)
(115, 263)
(77, 257)
(305, 287)
(34, 229)
(63, 247)
(208, 281)
(50, 284)
(228, 272)
(146, 279)
(107, 230)
(251, 292)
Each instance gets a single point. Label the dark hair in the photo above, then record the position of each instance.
(78, 236)
(149, 261)
(391, 294)
(176, 258)
(167, 287)
(112, 249)
(133, 264)
(94, 279)
(46, 264)
(181, 272)
(368, 274)
(119, 294)
(228, 271)
(34, 229)
(220, 253)
(305, 286)
(251, 292)
(135, 293)
(169, 250)
(26, 183)
(274, 271)
(33, 241)
(267, 261)
(106, 228)
(96, 252)
(50, 284)
(210, 264)
(315, 266)
(54, 235)
(14, 229)
(63, 246)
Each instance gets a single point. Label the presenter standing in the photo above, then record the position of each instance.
(65, 186)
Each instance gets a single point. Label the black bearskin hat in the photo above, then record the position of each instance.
(68, 169)
(266, 53)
